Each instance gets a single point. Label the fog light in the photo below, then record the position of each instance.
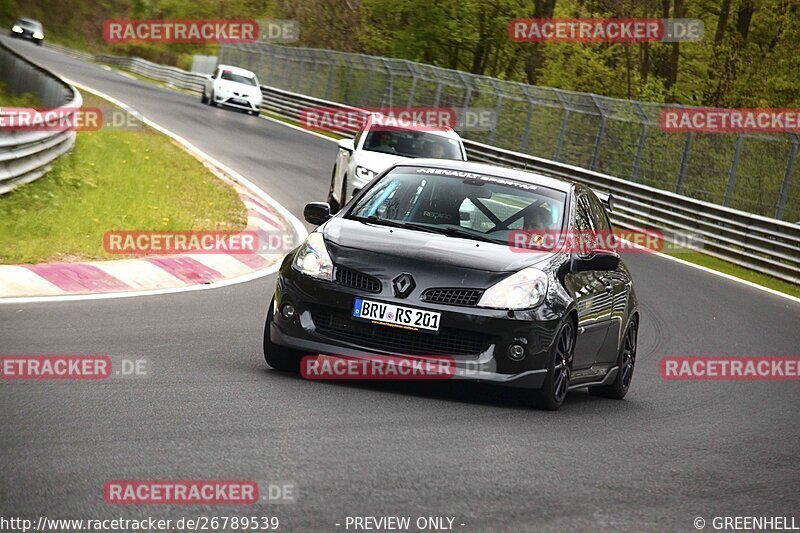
(287, 311)
(516, 352)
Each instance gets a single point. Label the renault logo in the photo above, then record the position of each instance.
(403, 285)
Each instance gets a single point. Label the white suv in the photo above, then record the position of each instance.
(374, 149)
(233, 87)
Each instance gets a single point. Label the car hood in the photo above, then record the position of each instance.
(377, 161)
(377, 250)
(241, 88)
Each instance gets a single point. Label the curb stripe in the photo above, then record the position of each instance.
(252, 213)
(187, 269)
(78, 277)
(259, 204)
(254, 261)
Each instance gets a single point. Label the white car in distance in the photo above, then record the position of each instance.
(233, 87)
(376, 148)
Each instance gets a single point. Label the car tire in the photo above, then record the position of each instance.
(276, 356)
(559, 368)
(626, 363)
(331, 200)
(203, 99)
(211, 101)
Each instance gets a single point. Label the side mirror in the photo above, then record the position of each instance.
(347, 144)
(317, 212)
(596, 260)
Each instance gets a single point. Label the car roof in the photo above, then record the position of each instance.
(491, 170)
(238, 70)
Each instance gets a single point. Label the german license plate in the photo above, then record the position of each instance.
(396, 315)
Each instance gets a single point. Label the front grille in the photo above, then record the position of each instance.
(341, 326)
(465, 297)
(352, 278)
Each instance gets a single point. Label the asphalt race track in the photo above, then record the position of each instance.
(211, 409)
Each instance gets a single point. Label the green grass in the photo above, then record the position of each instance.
(725, 267)
(114, 179)
(8, 99)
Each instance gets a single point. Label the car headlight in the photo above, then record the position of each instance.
(364, 173)
(16, 29)
(313, 260)
(38, 35)
(523, 290)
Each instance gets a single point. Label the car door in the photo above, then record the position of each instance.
(593, 295)
(344, 162)
(619, 282)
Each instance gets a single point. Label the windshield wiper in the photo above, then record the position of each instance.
(373, 219)
(458, 231)
(452, 231)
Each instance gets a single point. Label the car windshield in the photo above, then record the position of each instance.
(238, 78)
(460, 204)
(29, 24)
(410, 143)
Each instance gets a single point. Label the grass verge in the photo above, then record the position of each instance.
(8, 99)
(725, 267)
(114, 179)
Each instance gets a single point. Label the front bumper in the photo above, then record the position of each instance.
(476, 339)
(238, 102)
(27, 35)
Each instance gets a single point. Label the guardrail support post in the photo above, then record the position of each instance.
(562, 130)
(531, 106)
(687, 148)
(365, 96)
(734, 166)
(637, 158)
(787, 177)
(600, 133)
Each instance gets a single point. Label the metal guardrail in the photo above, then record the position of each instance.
(27, 155)
(173, 76)
(760, 243)
(83, 56)
(753, 172)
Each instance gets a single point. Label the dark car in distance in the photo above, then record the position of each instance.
(28, 29)
(429, 240)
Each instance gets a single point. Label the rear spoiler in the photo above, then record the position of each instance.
(606, 198)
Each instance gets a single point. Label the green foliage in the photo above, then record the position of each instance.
(754, 63)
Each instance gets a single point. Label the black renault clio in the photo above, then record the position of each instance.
(422, 262)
